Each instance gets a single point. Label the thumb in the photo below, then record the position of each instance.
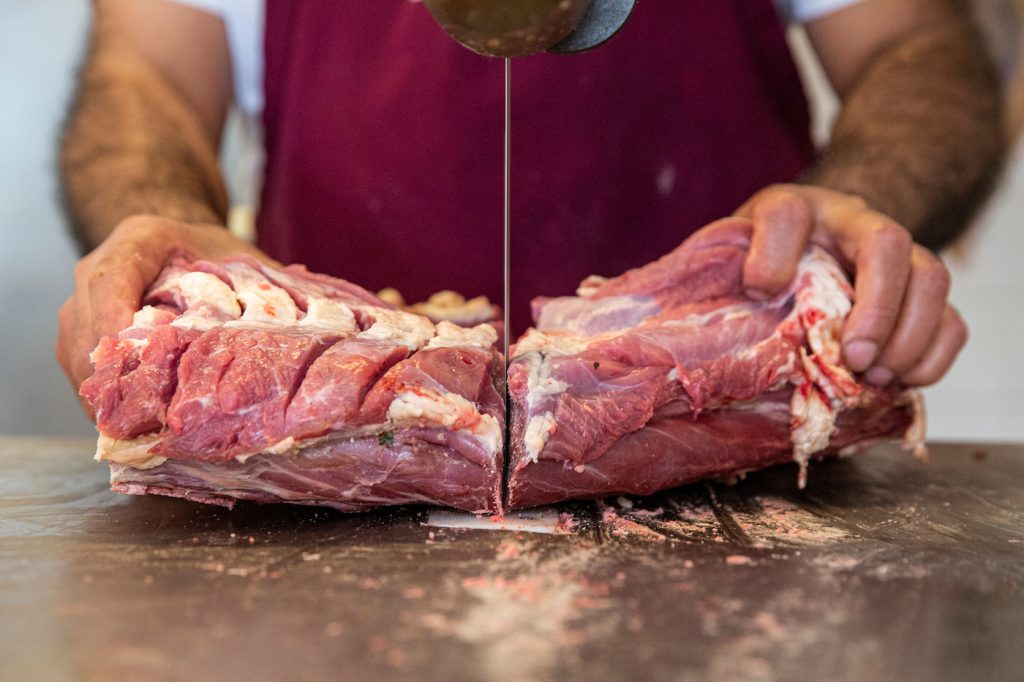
(782, 223)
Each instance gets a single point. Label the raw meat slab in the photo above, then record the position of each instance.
(669, 374)
(241, 381)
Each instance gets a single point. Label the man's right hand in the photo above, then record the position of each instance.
(110, 281)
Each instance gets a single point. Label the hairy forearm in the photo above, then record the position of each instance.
(131, 146)
(919, 136)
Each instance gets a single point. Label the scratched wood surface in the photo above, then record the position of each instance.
(884, 568)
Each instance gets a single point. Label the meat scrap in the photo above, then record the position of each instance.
(241, 381)
(669, 374)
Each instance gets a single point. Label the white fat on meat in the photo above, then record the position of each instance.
(786, 369)
(453, 336)
(823, 301)
(590, 285)
(606, 315)
(329, 315)
(137, 335)
(538, 432)
(134, 452)
(536, 350)
(813, 421)
(427, 408)
(914, 436)
(209, 302)
(838, 384)
(411, 331)
(552, 344)
(539, 383)
(262, 301)
(148, 317)
(281, 447)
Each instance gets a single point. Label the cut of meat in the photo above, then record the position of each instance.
(234, 386)
(348, 474)
(241, 381)
(668, 374)
(676, 447)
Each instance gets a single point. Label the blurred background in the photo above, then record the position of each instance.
(41, 43)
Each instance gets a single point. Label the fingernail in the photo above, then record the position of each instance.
(757, 294)
(879, 376)
(860, 354)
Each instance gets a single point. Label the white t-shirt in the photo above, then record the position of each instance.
(244, 22)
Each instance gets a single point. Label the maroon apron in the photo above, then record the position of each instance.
(384, 143)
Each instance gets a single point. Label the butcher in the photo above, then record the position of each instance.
(383, 159)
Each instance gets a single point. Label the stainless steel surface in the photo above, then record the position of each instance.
(884, 568)
(602, 20)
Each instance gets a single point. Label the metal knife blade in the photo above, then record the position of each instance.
(602, 20)
(507, 200)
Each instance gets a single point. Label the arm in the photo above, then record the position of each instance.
(912, 154)
(145, 124)
(138, 162)
(919, 136)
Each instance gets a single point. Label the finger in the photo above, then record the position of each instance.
(116, 274)
(81, 365)
(924, 304)
(81, 342)
(881, 251)
(951, 337)
(65, 319)
(65, 342)
(782, 221)
(725, 230)
(115, 291)
(73, 357)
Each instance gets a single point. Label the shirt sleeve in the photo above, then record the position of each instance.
(243, 20)
(802, 11)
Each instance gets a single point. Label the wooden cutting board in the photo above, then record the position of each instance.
(883, 568)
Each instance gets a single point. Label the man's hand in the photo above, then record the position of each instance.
(901, 325)
(110, 281)
(918, 140)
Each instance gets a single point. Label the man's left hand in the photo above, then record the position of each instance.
(901, 326)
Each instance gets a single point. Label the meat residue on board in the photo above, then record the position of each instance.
(549, 605)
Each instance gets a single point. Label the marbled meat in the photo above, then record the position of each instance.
(237, 380)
